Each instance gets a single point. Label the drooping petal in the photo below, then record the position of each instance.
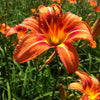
(80, 31)
(68, 56)
(77, 86)
(32, 24)
(29, 47)
(87, 81)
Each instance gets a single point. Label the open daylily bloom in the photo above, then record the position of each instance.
(4, 28)
(97, 9)
(92, 2)
(72, 1)
(53, 29)
(88, 85)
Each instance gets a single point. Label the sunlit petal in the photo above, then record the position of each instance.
(19, 29)
(80, 31)
(68, 56)
(87, 81)
(29, 47)
(69, 18)
(32, 24)
(91, 87)
(49, 16)
(77, 86)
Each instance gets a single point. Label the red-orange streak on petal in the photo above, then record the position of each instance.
(68, 56)
(69, 18)
(95, 82)
(87, 81)
(19, 29)
(80, 31)
(77, 86)
(11, 31)
(49, 16)
(84, 97)
(31, 23)
(29, 47)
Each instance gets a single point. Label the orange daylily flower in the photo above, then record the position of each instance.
(4, 28)
(92, 2)
(97, 9)
(89, 86)
(53, 29)
(19, 29)
(58, 1)
(72, 1)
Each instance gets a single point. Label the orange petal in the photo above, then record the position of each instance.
(11, 31)
(80, 31)
(69, 18)
(92, 2)
(30, 47)
(72, 1)
(87, 80)
(32, 24)
(97, 9)
(58, 1)
(84, 97)
(19, 29)
(77, 86)
(49, 16)
(4, 28)
(68, 56)
(95, 82)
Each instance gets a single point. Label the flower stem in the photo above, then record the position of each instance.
(56, 83)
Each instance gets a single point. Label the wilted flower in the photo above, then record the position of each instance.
(88, 85)
(53, 29)
(62, 91)
(96, 29)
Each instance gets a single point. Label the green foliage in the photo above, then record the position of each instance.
(25, 81)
